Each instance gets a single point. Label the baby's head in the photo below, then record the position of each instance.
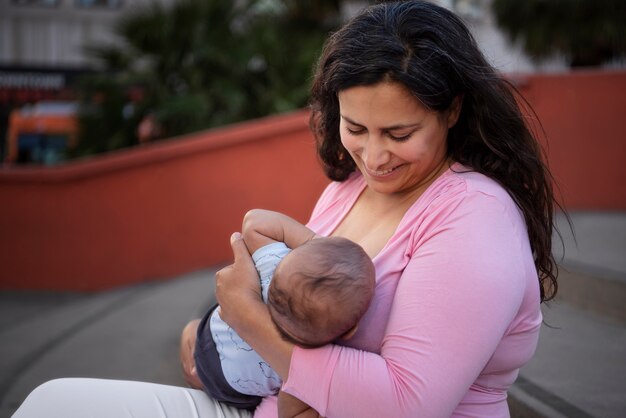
(320, 291)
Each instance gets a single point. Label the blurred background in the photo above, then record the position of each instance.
(135, 134)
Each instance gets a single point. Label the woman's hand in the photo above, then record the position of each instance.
(237, 285)
(238, 291)
(187, 348)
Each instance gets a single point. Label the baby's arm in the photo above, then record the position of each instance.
(262, 227)
(292, 407)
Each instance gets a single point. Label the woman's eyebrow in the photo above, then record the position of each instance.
(347, 119)
(388, 128)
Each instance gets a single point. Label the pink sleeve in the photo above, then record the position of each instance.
(454, 301)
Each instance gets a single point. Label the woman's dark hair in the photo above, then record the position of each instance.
(430, 51)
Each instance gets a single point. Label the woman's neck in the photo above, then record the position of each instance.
(374, 217)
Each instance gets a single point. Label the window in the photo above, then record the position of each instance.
(42, 3)
(99, 4)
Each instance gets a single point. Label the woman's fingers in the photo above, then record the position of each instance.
(242, 272)
(238, 284)
(240, 251)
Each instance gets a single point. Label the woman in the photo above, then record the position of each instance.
(437, 176)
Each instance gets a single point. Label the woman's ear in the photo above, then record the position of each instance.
(455, 110)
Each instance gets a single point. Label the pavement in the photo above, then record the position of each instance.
(579, 369)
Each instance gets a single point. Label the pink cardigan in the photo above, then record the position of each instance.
(454, 316)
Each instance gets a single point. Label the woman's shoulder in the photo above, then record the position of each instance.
(462, 193)
(460, 201)
(462, 183)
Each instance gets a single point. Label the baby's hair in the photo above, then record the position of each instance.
(331, 293)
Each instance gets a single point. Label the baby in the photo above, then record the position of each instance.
(316, 288)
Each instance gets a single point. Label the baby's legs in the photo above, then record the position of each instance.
(95, 398)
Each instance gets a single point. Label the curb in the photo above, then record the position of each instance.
(528, 400)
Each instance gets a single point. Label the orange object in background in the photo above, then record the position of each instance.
(41, 133)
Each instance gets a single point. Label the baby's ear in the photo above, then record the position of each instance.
(349, 334)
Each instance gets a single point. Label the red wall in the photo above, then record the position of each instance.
(166, 208)
(584, 118)
(153, 211)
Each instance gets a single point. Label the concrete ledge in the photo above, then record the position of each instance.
(528, 400)
(600, 295)
(523, 405)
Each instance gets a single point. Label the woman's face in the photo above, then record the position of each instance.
(397, 143)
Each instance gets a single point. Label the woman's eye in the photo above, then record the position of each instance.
(400, 138)
(355, 131)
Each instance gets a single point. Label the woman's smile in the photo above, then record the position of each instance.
(383, 173)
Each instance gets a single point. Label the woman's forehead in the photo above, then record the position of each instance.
(385, 103)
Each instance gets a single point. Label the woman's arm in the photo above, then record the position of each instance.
(453, 303)
(238, 285)
(261, 227)
(291, 407)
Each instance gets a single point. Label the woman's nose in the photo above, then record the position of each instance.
(375, 154)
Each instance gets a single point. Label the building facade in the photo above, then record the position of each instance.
(42, 48)
(53, 33)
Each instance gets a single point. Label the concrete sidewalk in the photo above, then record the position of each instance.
(130, 333)
(579, 369)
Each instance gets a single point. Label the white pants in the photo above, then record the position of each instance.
(99, 398)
